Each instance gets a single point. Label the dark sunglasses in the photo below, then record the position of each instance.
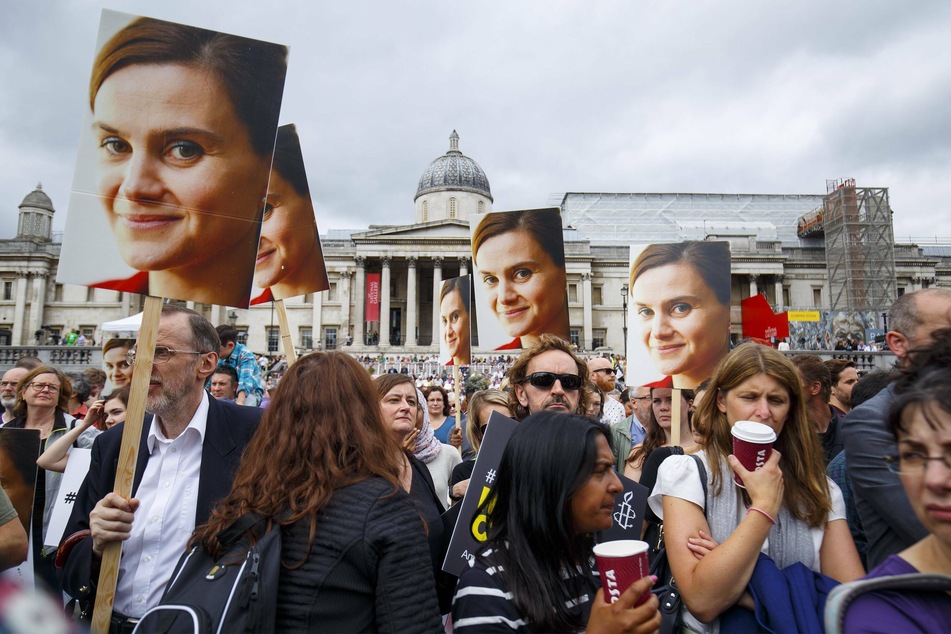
(547, 379)
(608, 370)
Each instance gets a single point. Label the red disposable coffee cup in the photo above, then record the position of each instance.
(752, 445)
(620, 564)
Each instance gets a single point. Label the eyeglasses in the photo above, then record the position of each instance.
(569, 382)
(607, 370)
(8, 384)
(914, 462)
(39, 387)
(162, 355)
(642, 398)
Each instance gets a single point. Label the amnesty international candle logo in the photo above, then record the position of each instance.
(625, 515)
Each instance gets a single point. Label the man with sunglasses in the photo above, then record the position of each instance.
(601, 373)
(188, 452)
(548, 376)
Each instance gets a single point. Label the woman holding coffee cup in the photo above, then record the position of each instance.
(536, 571)
(788, 509)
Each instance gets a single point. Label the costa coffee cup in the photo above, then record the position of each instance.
(620, 564)
(752, 445)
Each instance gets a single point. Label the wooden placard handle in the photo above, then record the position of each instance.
(457, 388)
(675, 417)
(289, 351)
(128, 451)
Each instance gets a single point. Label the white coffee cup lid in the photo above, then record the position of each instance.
(620, 548)
(754, 432)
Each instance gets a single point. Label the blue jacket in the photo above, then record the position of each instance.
(790, 600)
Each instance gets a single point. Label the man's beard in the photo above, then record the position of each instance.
(8, 403)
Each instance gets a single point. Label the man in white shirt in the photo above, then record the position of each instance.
(188, 453)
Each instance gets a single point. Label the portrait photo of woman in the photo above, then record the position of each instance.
(520, 282)
(680, 312)
(454, 337)
(173, 162)
(290, 261)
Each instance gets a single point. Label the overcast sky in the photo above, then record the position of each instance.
(628, 96)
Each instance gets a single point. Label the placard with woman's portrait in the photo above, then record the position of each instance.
(519, 277)
(455, 346)
(174, 158)
(678, 312)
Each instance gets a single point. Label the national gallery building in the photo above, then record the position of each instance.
(812, 252)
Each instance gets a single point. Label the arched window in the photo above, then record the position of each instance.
(481, 206)
(425, 211)
(452, 207)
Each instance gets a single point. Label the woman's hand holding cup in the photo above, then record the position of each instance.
(765, 485)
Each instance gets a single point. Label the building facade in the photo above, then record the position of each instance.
(769, 256)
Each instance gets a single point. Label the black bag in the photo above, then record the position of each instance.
(235, 593)
(666, 588)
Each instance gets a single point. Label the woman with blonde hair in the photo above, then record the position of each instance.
(788, 510)
(354, 556)
(481, 406)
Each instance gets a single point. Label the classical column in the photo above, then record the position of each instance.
(586, 289)
(359, 301)
(21, 338)
(463, 266)
(778, 289)
(411, 312)
(385, 303)
(316, 322)
(437, 282)
(38, 303)
(754, 289)
(343, 293)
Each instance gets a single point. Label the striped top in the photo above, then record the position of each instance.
(483, 603)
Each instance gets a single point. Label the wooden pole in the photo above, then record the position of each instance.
(457, 388)
(128, 451)
(675, 417)
(286, 332)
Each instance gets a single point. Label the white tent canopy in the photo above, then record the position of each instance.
(130, 324)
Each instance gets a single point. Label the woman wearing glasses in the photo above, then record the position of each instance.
(921, 422)
(41, 403)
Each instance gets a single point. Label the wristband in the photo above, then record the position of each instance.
(764, 514)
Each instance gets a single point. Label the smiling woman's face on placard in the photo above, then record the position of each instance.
(682, 323)
(179, 180)
(454, 320)
(288, 237)
(524, 288)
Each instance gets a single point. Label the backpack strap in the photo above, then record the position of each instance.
(842, 595)
(703, 478)
(242, 525)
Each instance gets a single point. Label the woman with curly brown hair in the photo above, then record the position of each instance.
(324, 466)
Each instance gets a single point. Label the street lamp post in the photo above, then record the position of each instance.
(624, 290)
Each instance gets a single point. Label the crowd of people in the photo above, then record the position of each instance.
(858, 482)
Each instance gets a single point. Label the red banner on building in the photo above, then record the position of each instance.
(373, 297)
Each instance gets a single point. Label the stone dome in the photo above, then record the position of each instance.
(453, 171)
(38, 199)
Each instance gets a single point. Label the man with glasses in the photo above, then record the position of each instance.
(890, 523)
(548, 376)
(188, 452)
(631, 431)
(601, 373)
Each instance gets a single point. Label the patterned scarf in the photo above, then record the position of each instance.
(427, 445)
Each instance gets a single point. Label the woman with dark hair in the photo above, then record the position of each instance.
(536, 571)
(681, 297)
(117, 368)
(788, 510)
(921, 421)
(659, 427)
(437, 405)
(520, 259)
(42, 402)
(184, 120)
(290, 261)
(595, 402)
(455, 347)
(400, 404)
(353, 545)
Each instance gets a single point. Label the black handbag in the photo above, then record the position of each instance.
(666, 587)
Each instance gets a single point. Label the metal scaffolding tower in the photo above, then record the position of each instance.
(860, 246)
